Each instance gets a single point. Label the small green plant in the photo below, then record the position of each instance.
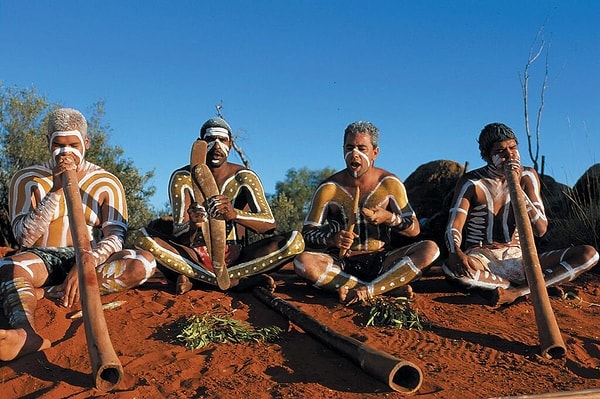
(200, 331)
(394, 312)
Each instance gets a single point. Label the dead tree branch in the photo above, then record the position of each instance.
(537, 47)
(234, 143)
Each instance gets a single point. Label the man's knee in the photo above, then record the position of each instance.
(309, 265)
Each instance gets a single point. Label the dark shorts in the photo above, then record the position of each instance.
(58, 261)
(366, 267)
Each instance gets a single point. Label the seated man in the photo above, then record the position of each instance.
(481, 236)
(241, 202)
(40, 223)
(354, 218)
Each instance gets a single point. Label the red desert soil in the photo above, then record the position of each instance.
(469, 350)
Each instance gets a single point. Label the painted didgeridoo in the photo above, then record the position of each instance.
(197, 157)
(400, 375)
(551, 342)
(107, 370)
(206, 186)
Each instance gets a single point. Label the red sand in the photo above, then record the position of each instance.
(471, 350)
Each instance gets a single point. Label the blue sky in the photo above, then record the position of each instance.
(291, 75)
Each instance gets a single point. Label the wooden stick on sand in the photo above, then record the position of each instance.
(400, 375)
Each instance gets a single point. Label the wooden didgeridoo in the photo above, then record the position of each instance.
(551, 342)
(197, 157)
(400, 375)
(107, 370)
(344, 251)
(215, 234)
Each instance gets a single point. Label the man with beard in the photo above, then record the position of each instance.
(489, 255)
(354, 219)
(241, 202)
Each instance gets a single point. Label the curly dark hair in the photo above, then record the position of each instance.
(493, 133)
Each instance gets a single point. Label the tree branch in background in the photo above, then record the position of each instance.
(236, 147)
(536, 49)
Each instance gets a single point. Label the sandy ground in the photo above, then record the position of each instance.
(468, 349)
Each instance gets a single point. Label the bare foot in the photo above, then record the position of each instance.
(503, 296)
(183, 284)
(18, 342)
(350, 296)
(248, 283)
(404, 291)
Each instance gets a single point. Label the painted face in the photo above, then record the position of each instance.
(68, 144)
(218, 145)
(504, 150)
(359, 154)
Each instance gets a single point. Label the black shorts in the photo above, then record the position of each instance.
(365, 267)
(58, 261)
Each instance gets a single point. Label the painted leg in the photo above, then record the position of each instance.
(20, 300)
(553, 276)
(396, 278)
(399, 275)
(263, 264)
(171, 260)
(124, 270)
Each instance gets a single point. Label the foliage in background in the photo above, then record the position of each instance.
(395, 312)
(293, 194)
(23, 115)
(220, 327)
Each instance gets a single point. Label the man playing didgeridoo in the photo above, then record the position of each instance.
(40, 225)
(481, 236)
(350, 227)
(241, 202)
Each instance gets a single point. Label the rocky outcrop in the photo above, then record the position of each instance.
(429, 189)
(587, 189)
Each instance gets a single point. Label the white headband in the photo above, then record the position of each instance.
(216, 131)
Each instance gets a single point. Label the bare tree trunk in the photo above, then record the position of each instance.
(534, 54)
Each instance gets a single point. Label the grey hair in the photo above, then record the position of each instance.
(363, 127)
(65, 119)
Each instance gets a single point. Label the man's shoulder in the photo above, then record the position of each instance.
(476, 174)
(237, 168)
(95, 174)
(336, 178)
(41, 169)
(93, 169)
(184, 170)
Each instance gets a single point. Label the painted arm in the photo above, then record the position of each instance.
(530, 182)
(32, 204)
(108, 193)
(458, 261)
(244, 202)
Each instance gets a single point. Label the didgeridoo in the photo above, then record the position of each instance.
(400, 375)
(344, 251)
(107, 370)
(205, 187)
(197, 157)
(551, 342)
